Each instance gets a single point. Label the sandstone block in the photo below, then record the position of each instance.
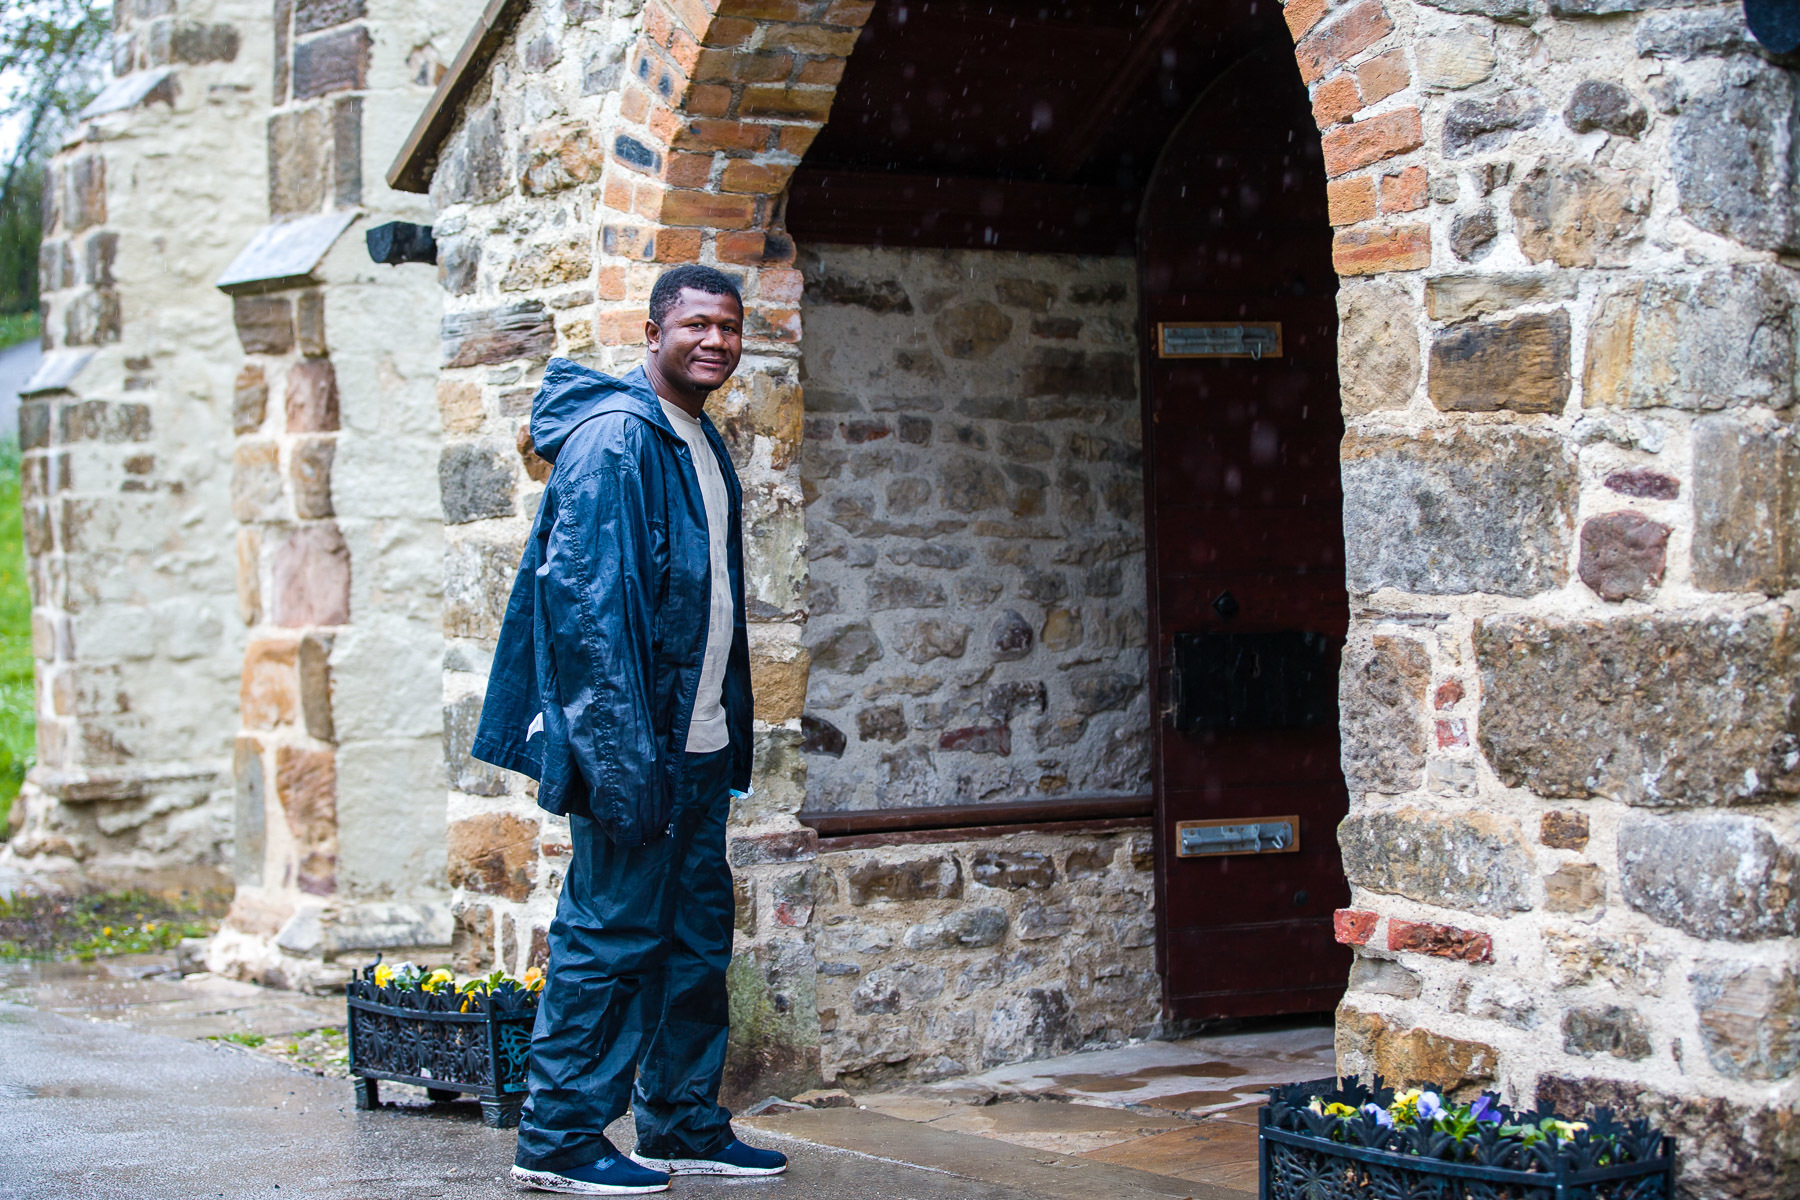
(1015, 869)
(1010, 638)
(935, 878)
(309, 468)
(1644, 484)
(297, 161)
(478, 577)
(1606, 1029)
(743, 897)
(548, 264)
(521, 330)
(1471, 860)
(265, 324)
(1575, 887)
(781, 846)
(1036, 1023)
(332, 62)
(462, 718)
(1103, 691)
(1749, 1018)
(848, 650)
(256, 493)
(820, 736)
(312, 397)
(1746, 486)
(972, 927)
(885, 723)
(1381, 696)
(495, 854)
(476, 481)
(1473, 126)
(1370, 1043)
(1521, 365)
(249, 812)
(1383, 977)
(922, 641)
(1734, 158)
(778, 672)
(1563, 830)
(1378, 346)
(887, 591)
(892, 988)
(1653, 711)
(313, 668)
(306, 785)
(1472, 234)
(268, 690)
(312, 578)
(977, 739)
(1622, 555)
(1575, 215)
(1719, 339)
(1456, 58)
(249, 399)
(1451, 512)
(1714, 875)
(1601, 104)
(1629, 963)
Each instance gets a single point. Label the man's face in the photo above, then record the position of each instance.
(699, 342)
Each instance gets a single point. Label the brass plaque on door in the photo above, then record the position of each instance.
(1237, 835)
(1218, 339)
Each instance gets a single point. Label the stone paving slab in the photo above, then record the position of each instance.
(1039, 1172)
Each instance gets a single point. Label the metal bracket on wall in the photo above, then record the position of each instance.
(1264, 835)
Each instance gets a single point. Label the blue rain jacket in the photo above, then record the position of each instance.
(594, 679)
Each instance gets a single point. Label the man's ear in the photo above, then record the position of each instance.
(652, 335)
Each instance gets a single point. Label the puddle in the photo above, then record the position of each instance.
(1142, 1077)
(1183, 1101)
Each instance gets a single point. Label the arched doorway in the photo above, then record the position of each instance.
(1246, 561)
(1096, 129)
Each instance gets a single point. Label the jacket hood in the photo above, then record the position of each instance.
(572, 394)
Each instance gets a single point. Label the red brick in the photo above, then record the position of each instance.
(851, 14)
(1350, 147)
(634, 104)
(767, 10)
(611, 284)
(780, 285)
(269, 688)
(688, 170)
(742, 248)
(657, 24)
(647, 200)
(829, 71)
(1448, 694)
(1444, 941)
(707, 210)
(664, 123)
(1335, 101)
(796, 138)
(615, 193)
(1383, 75)
(694, 15)
(811, 39)
(742, 175)
(1335, 44)
(773, 324)
(1372, 251)
(621, 327)
(706, 134)
(1354, 928)
(1302, 15)
(762, 68)
(812, 104)
(678, 246)
(312, 397)
(714, 64)
(1452, 732)
(726, 32)
(1404, 192)
(683, 50)
(1348, 201)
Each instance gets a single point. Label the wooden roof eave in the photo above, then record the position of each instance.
(417, 159)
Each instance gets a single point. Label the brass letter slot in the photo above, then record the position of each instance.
(1265, 835)
(1254, 340)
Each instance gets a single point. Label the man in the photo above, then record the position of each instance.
(622, 684)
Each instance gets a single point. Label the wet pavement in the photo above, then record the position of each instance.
(115, 1081)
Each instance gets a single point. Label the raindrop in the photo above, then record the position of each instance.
(1041, 116)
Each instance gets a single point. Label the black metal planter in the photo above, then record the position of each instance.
(1302, 1158)
(420, 1038)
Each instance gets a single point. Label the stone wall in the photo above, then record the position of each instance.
(1568, 351)
(974, 528)
(339, 763)
(126, 433)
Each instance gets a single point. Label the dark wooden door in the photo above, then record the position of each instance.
(1241, 461)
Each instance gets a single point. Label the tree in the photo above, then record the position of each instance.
(51, 58)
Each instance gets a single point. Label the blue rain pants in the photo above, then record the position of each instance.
(636, 989)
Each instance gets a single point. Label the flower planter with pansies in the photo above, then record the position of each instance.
(418, 1026)
(1330, 1141)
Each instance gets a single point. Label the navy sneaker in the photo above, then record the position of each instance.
(734, 1158)
(614, 1175)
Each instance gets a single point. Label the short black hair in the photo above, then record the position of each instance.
(669, 287)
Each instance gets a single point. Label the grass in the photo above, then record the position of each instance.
(17, 327)
(18, 700)
(100, 925)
